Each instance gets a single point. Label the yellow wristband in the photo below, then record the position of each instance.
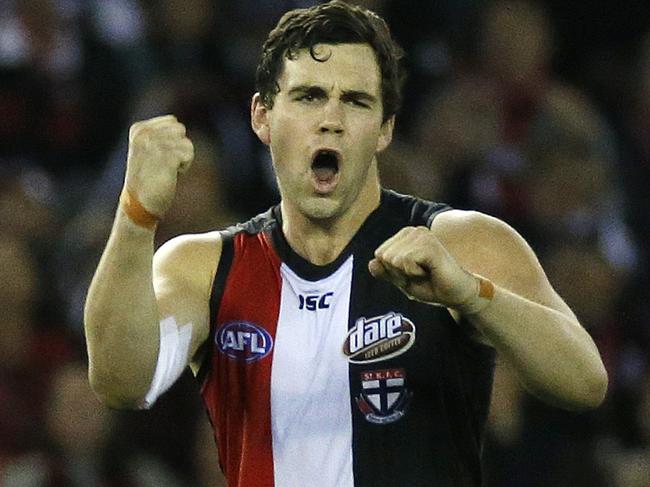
(137, 213)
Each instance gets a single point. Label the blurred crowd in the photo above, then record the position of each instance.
(537, 112)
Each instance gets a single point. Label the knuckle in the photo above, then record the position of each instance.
(395, 258)
(135, 130)
(141, 132)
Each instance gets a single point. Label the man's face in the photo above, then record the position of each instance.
(325, 128)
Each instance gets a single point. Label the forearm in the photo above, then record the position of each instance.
(555, 357)
(121, 316)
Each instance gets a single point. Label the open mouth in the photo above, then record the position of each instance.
(325, 165)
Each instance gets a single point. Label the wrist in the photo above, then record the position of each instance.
(136, 212)
(480, 298)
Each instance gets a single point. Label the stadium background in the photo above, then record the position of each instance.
(536, 112)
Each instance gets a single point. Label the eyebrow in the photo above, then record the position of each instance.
(300, 89)
(359, 95)
(347, 94)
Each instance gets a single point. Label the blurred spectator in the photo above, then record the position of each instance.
(29, 355)
(625, 446)
(508, 138)
(635, 163)
(508, 126)
(75, 93)
(488, 124)
(630, 467)
(28, 203)
(78, 450)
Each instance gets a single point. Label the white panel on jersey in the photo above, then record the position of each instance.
(310, 398)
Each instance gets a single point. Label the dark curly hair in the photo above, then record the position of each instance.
(335, 22)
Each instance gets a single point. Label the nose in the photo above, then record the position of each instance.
(332, 119)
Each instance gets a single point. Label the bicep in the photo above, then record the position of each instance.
(183, 273)
(490, 247)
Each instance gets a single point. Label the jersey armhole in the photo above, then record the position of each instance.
(218, 287)
(435, 213)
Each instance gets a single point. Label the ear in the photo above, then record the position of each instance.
(386, 134)
(260, 119)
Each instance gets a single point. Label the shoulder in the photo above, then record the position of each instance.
(195, 257)
(189, 258)
(189, 246)
(489, 246)
(470, 225)
(476, 232)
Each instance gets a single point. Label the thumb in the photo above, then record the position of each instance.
(377, 270)
(414, 269)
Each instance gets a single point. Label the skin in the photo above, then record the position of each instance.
(335, 105)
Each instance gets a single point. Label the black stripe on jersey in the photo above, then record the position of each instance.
(218, 286)
(447, 377)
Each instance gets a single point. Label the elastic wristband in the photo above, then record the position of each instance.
(484, 296)
(485, 288)
(137, 213)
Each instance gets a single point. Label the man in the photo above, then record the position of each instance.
(347, 336)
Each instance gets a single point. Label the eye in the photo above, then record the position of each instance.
(360, 104)
(357, 102)
(308, 97)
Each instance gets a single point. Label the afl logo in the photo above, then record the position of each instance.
(379, 338)
(243, 341)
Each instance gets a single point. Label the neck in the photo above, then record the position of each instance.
(321, 241)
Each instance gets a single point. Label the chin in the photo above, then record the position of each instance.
(321, 208)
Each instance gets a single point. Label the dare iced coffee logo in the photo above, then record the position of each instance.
(379, 338)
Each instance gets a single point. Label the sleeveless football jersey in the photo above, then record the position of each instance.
(325, 376)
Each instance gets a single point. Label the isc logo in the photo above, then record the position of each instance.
(241, 340)
(312, 302)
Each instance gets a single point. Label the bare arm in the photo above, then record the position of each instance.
(528, 323)
(129, 296)
(525, 320)
(121, 317)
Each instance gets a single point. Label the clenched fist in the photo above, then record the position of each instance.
(417, 263)
(158, 151)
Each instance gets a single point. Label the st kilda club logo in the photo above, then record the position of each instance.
(384, 396)
(243, 341)
(379, 338)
